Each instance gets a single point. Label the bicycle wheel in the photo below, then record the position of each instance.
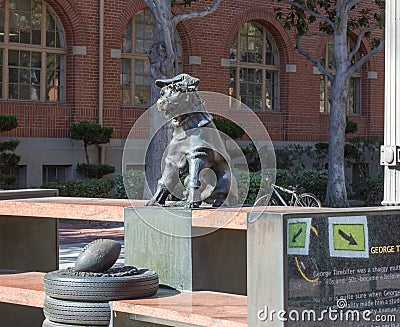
(265, 200)
(307, 200)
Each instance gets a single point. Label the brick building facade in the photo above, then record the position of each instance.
(298, 114)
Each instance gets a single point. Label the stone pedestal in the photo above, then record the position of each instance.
(166, 241)
(29, 244)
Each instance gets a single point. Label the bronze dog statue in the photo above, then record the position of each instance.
(196, 147)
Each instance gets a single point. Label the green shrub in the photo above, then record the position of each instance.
(130, 183)
(351, 126)
(307, 181)
(8, 159)
(371, 189)
(94, 171)
(9, 145)
(313, 181)
(229, 128)
(250, 185)
(291, 157)
(7, 180)
(93, 188)
(8, 123)
(252, 157)
(243, 181)
(91, 134)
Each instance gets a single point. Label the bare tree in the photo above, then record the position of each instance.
(336, 19)
(164, 64)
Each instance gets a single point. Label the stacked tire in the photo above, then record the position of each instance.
(74, 299)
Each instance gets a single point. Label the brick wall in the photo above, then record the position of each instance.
(210, 38)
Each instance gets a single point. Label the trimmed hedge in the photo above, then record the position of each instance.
(133, 180)
(92, 188)
(94, 171)
(310, 181)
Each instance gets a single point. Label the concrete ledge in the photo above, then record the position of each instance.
(67, 208)
(168, 306)
(27, 193)
(22, 288)
(185, 309)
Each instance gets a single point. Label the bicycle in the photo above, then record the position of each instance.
(296, 199)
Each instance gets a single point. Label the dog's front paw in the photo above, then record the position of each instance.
(191, 205)
(153, 203)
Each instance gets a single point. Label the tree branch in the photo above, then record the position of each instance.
(365, 58)
(312, 13)
(196, 14)
(360, 36)
(149, 3)
(306, 54)
(352, 3)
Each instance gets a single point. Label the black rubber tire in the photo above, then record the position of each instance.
(266, 200)
(48, 323)
(308, 200)
(72, 312)
(58, 285)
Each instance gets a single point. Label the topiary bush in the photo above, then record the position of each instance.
(94, 171)
(93, 188)
(8, 159)
(8, 123)
(91, 134)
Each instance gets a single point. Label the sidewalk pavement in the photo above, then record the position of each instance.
(73, 236)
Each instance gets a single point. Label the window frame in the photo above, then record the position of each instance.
(324, 107)
(275, 69)
(59, 170)
(134, 55)
(6, 46)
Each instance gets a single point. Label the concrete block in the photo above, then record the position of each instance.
(164, 240)
(28, 244)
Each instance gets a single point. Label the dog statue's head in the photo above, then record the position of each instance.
(178, 96)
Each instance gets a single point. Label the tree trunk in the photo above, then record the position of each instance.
(85, 146)
(163, 64)
(336, 195)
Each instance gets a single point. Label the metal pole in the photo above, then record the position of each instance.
(390, 156)
(102, 155)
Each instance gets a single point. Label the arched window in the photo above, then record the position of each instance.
(254, 74)
(328, 61)
(32, 52)
(135, 67)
